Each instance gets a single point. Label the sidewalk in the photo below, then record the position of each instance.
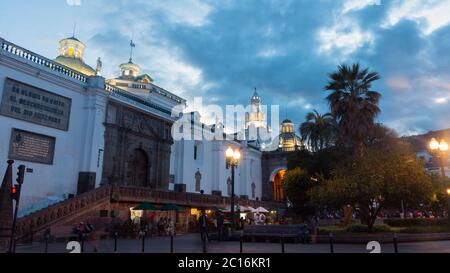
(191, 243)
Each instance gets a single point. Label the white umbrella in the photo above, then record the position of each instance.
(261, 210)
(251, 209)
(244, 208)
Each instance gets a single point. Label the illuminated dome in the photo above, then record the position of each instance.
(289, 141)
(129, 70)
(71, 52)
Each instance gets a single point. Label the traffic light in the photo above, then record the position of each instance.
(15, 192)
(20, 174)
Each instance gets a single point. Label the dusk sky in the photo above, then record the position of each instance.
(221, 50)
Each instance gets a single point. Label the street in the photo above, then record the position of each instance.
(191, 243)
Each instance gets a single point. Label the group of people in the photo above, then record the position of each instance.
(165, 226)
(83, 229)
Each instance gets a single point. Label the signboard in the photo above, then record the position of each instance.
(28, 146)
(32, 104)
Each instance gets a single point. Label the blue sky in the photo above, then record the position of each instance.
(221, 50)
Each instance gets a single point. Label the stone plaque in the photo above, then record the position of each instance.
(32, 104)
(28, 146)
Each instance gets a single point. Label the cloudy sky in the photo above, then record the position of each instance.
(221, 50)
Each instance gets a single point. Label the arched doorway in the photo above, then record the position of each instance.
(138, 168)
(277, 179)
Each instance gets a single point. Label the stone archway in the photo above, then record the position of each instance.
(276, 179)
(138, 168)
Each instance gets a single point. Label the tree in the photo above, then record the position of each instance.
(353, 103)
(297, 183)
(318, 130)
(318, 164)
(380, 178)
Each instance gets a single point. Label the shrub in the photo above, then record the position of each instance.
(415, 222)
(381, 228)
(356, 228)
(360, 228)
(425, 229)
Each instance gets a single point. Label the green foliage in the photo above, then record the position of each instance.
(360, 228)
(354, 228)
(416, 222)
(426, 229)
(318, 164)
(384, 175)
(352, 102)
(319, 131)
(297, 184)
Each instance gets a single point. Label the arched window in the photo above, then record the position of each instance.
(70, 51)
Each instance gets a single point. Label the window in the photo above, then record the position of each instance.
(70, 51)
(195, 152)
(253, 190)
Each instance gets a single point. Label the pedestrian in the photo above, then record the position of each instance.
(160, 226)
(170, 227)
(203, 221)
(219, 220)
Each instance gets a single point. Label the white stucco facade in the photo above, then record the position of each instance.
(79, 150)
(76, 150)
(207, 157)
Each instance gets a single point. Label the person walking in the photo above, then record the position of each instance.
(220, 220)
(203, 221)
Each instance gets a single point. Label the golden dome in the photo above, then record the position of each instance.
(71, 51)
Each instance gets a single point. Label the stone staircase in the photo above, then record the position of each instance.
(58, 215)
(62, 217)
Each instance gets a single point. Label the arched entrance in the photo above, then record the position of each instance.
(277, 179)
(138, 168)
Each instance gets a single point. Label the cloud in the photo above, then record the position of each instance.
(398, 83)
(221, 50)
(430, 14)
(344, 36)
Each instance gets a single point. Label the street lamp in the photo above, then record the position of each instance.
(232, 160)
(448, 204)
(439, 148)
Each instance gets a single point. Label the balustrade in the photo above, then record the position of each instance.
(10, 48)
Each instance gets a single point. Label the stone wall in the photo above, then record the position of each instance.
(137, 148)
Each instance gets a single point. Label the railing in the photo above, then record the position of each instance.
(136, 194)
(45, 217)
(25, 54)
(135, 100)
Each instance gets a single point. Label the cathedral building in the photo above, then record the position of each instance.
(96, 147)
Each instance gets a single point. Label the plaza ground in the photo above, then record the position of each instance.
(191, 243)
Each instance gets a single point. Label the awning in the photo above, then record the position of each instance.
(217, 208)
(146, 206)
(168, 207)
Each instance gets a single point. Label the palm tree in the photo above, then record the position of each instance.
(353, 103)
(318, 130)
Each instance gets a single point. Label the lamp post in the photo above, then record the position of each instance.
(232, 160)
(448, 204)
(440, 149)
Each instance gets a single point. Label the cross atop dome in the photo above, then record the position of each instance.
(132, 45)
(130, 69)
